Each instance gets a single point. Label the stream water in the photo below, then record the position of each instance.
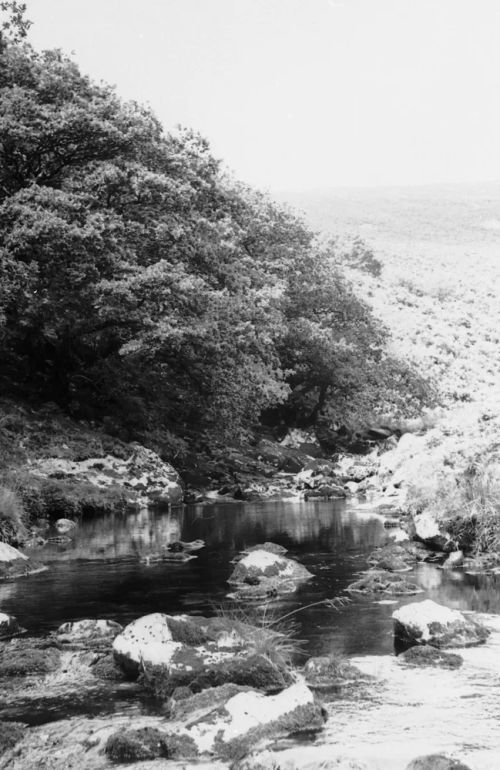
(398, 715)
(101, 572)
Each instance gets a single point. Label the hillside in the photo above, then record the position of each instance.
(439, 287)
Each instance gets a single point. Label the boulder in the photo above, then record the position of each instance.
(425, 655)
(65, 526)
(436, 762)
(177, 651)
(279, 550)
(455, 559)
(428, 531)
(143, 474)
(149, 631)
(88, 630)
(15, 564)
(148, 743)
(328, 672)
(245, 719)
(9, 626)
(375, 581)
(262, 564)
(429, 623)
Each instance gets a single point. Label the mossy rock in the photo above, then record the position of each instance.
(148, 743)
(27, 659)
(423, 655)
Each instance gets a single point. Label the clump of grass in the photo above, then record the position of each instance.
(12, 516)
(275, 635)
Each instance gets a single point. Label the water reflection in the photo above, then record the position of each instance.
(100, 573)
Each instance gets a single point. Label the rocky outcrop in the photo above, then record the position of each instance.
(429, 623)
(145, 478)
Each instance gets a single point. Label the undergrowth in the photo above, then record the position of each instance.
(12, 516)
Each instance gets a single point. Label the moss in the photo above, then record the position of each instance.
(107, 669)
(188, 631)
(24, 661)
(307, 718)
(66, 498)
(148, 743)
(424, 655)
(10, 734)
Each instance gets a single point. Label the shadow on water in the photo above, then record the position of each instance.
(100, 573)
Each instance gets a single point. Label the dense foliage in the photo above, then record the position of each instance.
(140, 285)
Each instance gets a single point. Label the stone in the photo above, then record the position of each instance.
(143, 473)
(428, 531)
(14, 564)
(279, 550)
(89, 629)
(148, 743)
(436, 762)
(176, 665)
(263, 564)
(455, 559)
(430, 623)
(234, 729)
(329, 672)
(375, 581)
(425, 655)
(65, 526)
(130, 646)
(177, 651)
(9, 626)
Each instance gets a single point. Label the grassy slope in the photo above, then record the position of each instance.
(439, 292)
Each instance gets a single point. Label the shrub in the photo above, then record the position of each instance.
(12, 516)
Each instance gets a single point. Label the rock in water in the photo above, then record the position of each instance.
(176, 651)
(264, 564)
(64, 526)
(15, 564)
(8, 626)
(429, 623)
(425, 655)
(88, 629)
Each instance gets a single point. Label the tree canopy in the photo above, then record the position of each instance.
(142, 285)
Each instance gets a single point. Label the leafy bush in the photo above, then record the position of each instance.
(12, 516)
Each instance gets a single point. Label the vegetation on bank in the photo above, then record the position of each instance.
(144, 288)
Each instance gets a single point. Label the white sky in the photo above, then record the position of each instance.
(297, 94)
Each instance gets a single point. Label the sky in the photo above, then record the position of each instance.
(304, 94)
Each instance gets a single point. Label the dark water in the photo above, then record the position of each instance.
(100, 574)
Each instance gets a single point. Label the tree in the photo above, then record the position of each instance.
(140, 285)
